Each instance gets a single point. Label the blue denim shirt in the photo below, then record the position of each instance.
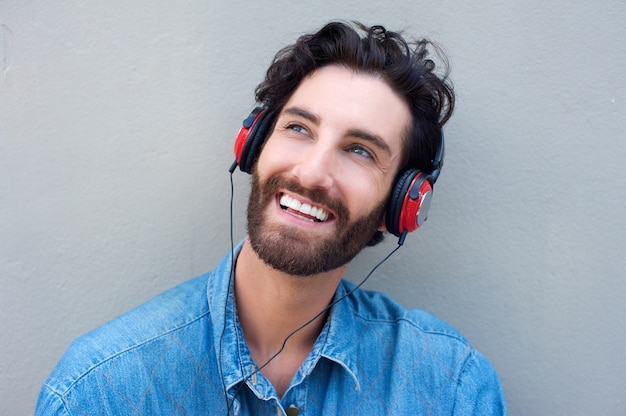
(179, 353)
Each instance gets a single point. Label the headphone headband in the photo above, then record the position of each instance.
(437, 163)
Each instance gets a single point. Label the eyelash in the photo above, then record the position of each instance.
(362, 151)
(298, 128)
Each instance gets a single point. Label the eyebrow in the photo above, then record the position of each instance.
(371, 138)
(298, 111)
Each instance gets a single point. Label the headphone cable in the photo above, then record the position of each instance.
(229, 404)
(230, 279)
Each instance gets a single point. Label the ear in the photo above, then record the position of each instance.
(382, 227)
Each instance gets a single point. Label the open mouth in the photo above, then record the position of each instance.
(303, 210)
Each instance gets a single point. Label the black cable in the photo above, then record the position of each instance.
(309, 322)
(230, 278)
(323, 311)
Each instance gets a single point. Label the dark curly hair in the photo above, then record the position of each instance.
(405, 66)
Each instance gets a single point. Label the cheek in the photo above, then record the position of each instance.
(271, 160)
(363, 194)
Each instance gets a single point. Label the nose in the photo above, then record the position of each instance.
(316, 167)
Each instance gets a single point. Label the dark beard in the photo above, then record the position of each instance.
(291, 250)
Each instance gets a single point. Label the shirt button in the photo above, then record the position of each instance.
(292, 411)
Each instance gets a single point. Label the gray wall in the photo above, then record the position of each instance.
(117, 121)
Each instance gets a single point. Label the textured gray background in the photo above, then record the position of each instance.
(117, 121)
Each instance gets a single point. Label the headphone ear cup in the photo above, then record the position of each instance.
(409, 202)
(251, 137)
(396, 199)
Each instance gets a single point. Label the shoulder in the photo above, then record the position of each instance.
(168, 312)
(383, 326)
(388, 339)
(381, 309)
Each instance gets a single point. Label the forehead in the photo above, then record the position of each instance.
(343, 98)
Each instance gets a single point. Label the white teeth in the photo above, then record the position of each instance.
(306, 209)
(294, 204)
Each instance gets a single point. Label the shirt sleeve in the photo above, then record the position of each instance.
(479, 391)
(50, 404)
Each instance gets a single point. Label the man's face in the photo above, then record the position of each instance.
(322, 180)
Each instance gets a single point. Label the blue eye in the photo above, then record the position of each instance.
(297, 128)
(362, 151)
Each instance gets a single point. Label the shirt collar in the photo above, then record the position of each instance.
(335, 342)
(342, 331)
(227, 335)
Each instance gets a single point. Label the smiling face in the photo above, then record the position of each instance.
(322, 180)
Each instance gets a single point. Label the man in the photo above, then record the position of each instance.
(347, 145)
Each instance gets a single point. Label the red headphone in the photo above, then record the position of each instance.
(410, 197)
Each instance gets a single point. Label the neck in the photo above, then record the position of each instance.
(272, 304)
